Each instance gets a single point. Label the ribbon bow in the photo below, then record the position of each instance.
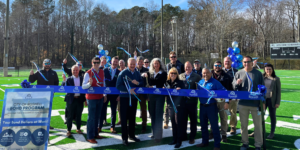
(25, 84)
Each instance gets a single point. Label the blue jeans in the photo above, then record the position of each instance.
(94, 107)
(210, 112)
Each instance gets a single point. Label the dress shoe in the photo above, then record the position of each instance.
(202, 145)
(99, 137)
(157, 141)
(216, 148)
(244, 147)
(211, 135)
(233, 130)
(166, 126)
(99, 130)
(224, 138)
(112, 130)
(251, 135)
(65, 122)
(51, 127)
(79, 131)
(271, 136)
(93, 141)
(152, 137)
(68, 134)
(119, 123)
(178, 144)
(257, 148)
(125, 142)
(134, 139)
(192, 141)
(172, 143)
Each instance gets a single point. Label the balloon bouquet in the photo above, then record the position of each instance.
(235, 56)
(104, 53)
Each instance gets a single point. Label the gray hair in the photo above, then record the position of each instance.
(162, 65)
(227, 57)
(130, 59)
(206, 68)
(121, 60)
(74, 66)
(140, 58)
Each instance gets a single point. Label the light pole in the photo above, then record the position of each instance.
(6, 38)
(174, 21)
(161, 30)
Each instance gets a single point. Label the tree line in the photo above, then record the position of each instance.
(50, 29)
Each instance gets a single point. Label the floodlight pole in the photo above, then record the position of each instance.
(161, 30)
(6, 38)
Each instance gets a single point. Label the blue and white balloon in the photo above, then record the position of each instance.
(236, 50)
(100, 47)
(106, 52)
(239, 57)
(235, 44)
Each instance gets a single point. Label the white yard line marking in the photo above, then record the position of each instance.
(296, 117)
(2, 90)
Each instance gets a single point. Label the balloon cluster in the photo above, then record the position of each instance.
(235, 56)
(104, 53)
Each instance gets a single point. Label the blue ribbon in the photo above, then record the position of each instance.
(212, 94)
(38, 69)
(124, 51)
(75, 59)
(244, 95)
(145, 51)
(130, 88)
(171, 99)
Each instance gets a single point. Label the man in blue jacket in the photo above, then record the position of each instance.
(209, 109)
(129, 112)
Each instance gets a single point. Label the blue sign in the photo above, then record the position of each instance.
(26, 118)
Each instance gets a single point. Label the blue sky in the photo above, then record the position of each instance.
(118, 5)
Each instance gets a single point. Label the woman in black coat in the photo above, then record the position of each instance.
(177, 119)
(157, 77)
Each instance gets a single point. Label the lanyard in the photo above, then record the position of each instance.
(251, 82)
(96, 77)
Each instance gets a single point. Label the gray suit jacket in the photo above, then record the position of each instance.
(191, 83)
(275, 93)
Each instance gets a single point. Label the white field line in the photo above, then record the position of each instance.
(2, 90)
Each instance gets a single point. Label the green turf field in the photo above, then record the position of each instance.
(287, 135)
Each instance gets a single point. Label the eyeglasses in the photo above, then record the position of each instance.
(245, 62)
(47, 64)
(218, 66)
(173, 73)
(173, 57)
(96, 62)
(146, 62)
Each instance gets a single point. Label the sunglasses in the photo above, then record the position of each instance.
(245, 62)
(96, 62)
(173, 57)
(218, 65)
(47, 64)
(79, 65)
(173, 73)
(146, 62)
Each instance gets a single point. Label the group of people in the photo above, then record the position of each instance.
(175, 75)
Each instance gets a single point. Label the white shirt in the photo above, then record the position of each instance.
(113, 72)
(76, 83)
(86, 84)
(156, 73)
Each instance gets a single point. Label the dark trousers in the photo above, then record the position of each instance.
(94, 107)
(157, 103)
(178, 122)
(74, 109)
(143, 104)
(66, 113)
(210, 112)
(190, 110)
(113, 106)
(128, 113)
(272, 113)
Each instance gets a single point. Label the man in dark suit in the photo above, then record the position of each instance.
(74, 100)
(111, 76)
(190, 79)
(143, 97)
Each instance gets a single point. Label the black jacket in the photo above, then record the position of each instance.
(178, 100)
(50, 75)
(179, 66)
(70, 96)
(158, 81)
(69, 71)
(224, 79)
(108, 81)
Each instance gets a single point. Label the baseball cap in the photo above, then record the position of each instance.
(47, 61)
(197, 60)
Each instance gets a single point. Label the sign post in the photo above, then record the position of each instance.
(26, 118)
